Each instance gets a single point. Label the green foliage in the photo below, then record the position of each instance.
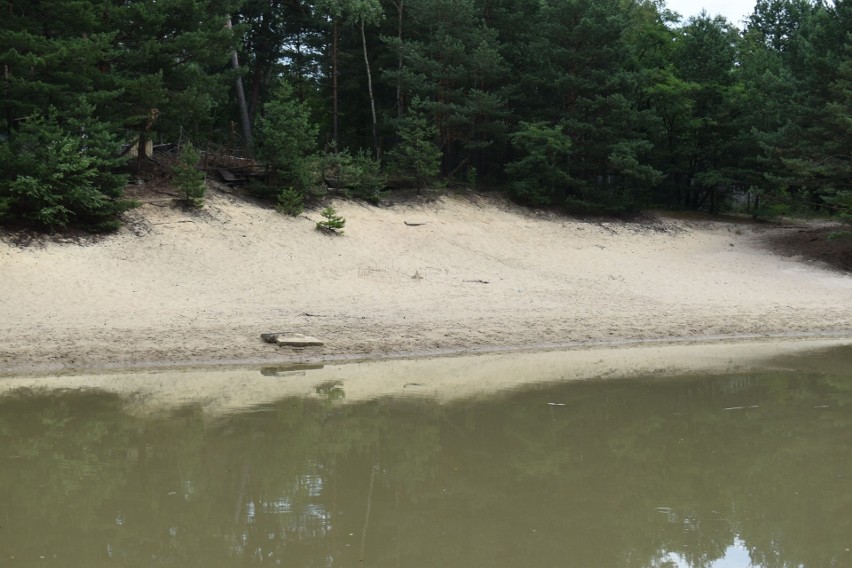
(187, 177)
(772, 209)
(777, 22)
(453, 71)
(51, 54)
(836, 235)
(540, 174)
(57, 173)
(172, 65)
(612, 104)
(332, 222)
(286, 138)
(416, 157)
(370, 11)
(291, 201)
(472, 177)
(584, 77)
(626, 162)
(359, 174)
(840, 201)
(367, 180)
(799, 79)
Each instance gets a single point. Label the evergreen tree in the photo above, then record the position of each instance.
(705, 55)
(56, 171)
(540, 174)
(451, 60)
(286, 141)
(416, 157)
(282, 38)
(582, 75)
(173, 65)
(51, 54)
(187, 177)
(805, 143)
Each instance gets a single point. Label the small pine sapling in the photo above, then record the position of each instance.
(188, 179)
(291, 201)
(333, 222)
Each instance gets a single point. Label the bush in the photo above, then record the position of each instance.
(841, 201)
(291, 201)
(367, 180)
(839, 235)
(359, 175)
(186, 176)
(56, 173)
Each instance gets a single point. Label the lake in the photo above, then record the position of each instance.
(630, 463)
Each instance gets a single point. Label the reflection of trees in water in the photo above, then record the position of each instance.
(619, 473)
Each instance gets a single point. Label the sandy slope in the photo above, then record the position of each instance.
(178, 287)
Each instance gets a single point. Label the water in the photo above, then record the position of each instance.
(726, 470)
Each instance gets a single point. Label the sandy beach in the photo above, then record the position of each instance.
(459, 274)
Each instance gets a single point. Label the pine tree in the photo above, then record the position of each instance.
(416, 157)
(705, 54)
(51, 54)
(57, 171)
(802, 123)
(60, 146)
(286, 140)
(581, 75)
(540, 174)
(451, 60)
(174, 65)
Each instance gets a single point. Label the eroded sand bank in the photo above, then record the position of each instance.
(464, 274)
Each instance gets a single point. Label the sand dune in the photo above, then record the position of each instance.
(467, 273)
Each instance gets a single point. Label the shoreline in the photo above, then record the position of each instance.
(458, 275)
(220, 391)
(296, 359)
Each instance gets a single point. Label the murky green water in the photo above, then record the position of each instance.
(738, 470)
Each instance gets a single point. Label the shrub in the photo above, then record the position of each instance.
(55, 173)
(838, 235)
(472, 177)
(291, 201)
(186, 176)
(359, 175)
(333, 222)
(368, 181)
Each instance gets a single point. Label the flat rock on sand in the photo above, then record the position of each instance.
(292, 339)
(299, 341)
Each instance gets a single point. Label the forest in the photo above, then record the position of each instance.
(604, 105)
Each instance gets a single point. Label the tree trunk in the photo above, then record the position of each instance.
(334, 114)
(376, 150)
(141, 150)
(257, 74)
(245, 123)
(399, 106)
